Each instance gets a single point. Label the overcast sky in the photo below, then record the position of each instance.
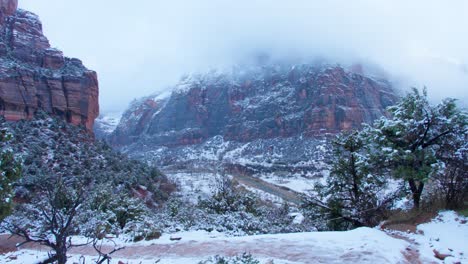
(139, 47)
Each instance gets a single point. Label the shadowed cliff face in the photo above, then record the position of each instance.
(278, 101)
(34, 76)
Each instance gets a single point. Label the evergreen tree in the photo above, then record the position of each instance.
(353, 195)
(408, 141)
(10, 170)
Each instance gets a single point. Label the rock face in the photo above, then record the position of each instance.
(267, 109)
(8, 7)
(35, 77)
(262, 103)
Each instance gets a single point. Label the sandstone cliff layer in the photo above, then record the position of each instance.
(35, 77)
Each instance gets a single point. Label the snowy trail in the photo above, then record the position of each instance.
(363, 245)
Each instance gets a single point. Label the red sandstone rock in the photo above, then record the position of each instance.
(440, 256)
(8, 7)
(35, 77)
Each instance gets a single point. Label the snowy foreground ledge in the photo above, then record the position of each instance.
(447, 234)
(362, 245)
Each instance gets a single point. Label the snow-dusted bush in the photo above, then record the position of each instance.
(419, 143)
(245, 258)
(229, 197)
(238, 218)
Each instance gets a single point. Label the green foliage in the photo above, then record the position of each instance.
(408, 141)
(353, 194)
(10, 171)
(451, 182)
(463, 212)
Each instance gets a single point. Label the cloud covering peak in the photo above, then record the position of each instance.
(139, 47)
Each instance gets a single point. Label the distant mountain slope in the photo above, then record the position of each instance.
(272, 113)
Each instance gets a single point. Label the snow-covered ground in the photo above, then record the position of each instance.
(446, 234)
(294, 182)
(362, 245)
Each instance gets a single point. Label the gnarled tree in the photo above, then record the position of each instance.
(50, 219)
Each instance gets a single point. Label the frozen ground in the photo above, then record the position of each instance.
(363, 245)
(447, 234)
(294, 182)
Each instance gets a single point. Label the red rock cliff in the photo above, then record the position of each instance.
(35, 77)
(251, 103)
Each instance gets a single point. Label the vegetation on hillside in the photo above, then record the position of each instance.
(73, 185)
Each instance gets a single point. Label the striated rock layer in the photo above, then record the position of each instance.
(263, 116)
(35, 77)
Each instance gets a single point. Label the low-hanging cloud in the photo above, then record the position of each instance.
(139, 47)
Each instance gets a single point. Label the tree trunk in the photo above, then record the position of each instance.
(416, 189)
(355, 178)
(49, 260)
(62, 257)
(61, 250)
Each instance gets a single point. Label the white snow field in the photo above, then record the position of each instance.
(362, 245)
(447, 234)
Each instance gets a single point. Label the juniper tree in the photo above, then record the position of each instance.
(50, 219)
(409, 139)
(353, 193)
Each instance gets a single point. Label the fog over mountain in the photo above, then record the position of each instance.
(145, 46)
